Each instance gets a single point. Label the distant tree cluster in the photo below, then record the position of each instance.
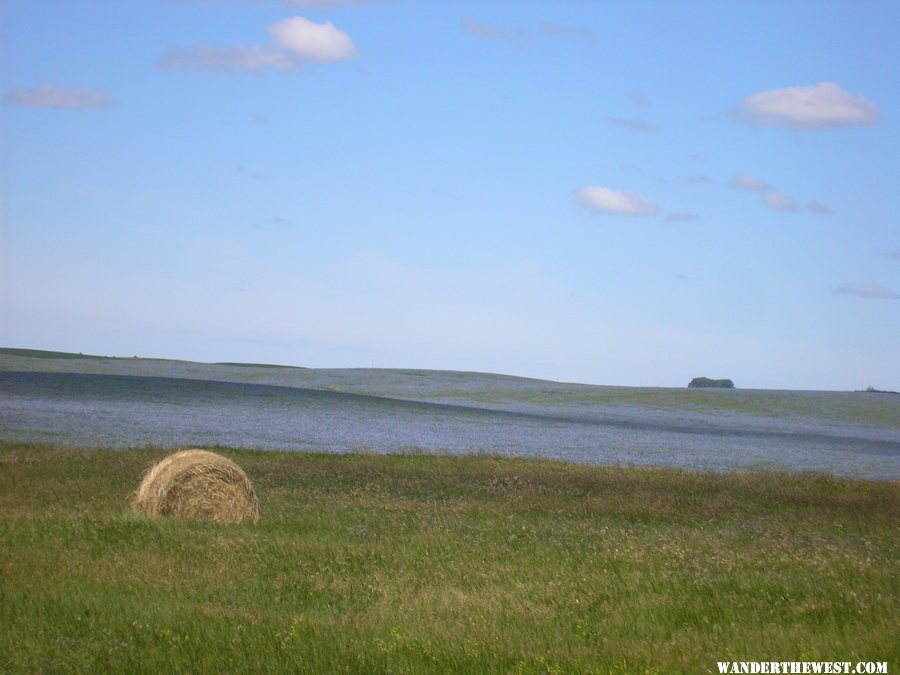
(873, 390)
(706, 382)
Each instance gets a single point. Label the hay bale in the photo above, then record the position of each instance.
(197, 485)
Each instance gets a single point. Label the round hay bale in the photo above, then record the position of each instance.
(198, 485)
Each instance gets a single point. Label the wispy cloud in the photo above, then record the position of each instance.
(304, 4)
(484, 31)
(685, 277)
(634, 124)
(295, 40)
(768, 195)
(52, 96)
(250, 174)
(869, 290)
(271, 220)
(318, 4)
(492, 33)
(677, 217)
(743, 181)
(567, 32)
(638, 98)
(604, 200)
(520, 39)
(778, 202)
(894, 255)
(230, 60)
(819, 208)
(697, 179)
(821, 106)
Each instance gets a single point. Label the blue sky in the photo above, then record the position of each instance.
(616, 193)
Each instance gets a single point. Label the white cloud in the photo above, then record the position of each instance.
(51, 96)
(633, 124)
(296, 40)
(567, 32)
(779, 202)
(819, 208)
(819, 106)
(743, 181)
(869, 290)
(604, 200)
(310, 41)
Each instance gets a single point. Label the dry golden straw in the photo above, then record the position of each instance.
(198, 485)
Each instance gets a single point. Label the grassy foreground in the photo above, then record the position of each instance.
(440, 564)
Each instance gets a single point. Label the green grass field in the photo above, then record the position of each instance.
(44, 354)
(410, 564)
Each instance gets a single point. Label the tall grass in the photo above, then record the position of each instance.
(439, 564)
